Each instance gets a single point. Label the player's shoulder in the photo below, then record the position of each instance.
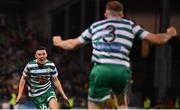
(127, 21)
(99, 22)
(49, 62)
(32, 62)
(130, 21)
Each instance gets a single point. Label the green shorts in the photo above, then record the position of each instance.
(41, 102)
(107, 78)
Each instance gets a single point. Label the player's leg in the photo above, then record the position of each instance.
(107, 104)
(120, 101)
(93, 105)
(51, 99)
(53, 104)
(119, 85)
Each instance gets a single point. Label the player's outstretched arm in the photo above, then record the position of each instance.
(161, 38)
(57, 83)
(21, 88)
(69, 44)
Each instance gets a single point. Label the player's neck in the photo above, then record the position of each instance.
(41, 62)
(113, 17)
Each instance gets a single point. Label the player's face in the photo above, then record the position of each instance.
(41, 56)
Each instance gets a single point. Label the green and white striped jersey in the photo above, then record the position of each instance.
(39, 77)
(112, 40)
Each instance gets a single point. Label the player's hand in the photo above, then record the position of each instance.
(57, 40)
(18, 99)
(172, 31)
(67, 100)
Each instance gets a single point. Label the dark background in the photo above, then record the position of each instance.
(28, 23)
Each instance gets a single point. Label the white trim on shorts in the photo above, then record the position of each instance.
(51, 98)
(99, 99)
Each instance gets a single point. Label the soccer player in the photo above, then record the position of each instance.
(112, 40)
(38, 74)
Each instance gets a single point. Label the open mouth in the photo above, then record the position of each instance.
(41, 59)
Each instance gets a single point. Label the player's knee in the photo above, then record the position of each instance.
(53, 104)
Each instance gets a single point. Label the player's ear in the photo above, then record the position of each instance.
(105, 15)
(35, 55)
(46, 54)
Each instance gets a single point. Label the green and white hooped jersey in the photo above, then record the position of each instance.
(39, 76)
(112, 40)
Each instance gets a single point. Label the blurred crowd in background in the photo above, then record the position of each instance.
(17, 44)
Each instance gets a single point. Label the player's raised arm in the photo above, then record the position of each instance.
(21, 88)
(69, 44)
(161, 38)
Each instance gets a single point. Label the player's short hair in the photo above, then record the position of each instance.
(41, 48)
(115, 6)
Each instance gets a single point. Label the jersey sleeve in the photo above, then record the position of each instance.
(54, 72)
(26, 70)
(86, 36)
(138, 31)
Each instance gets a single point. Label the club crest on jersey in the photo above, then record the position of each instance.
(49, 70)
